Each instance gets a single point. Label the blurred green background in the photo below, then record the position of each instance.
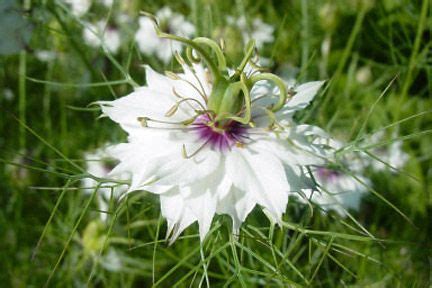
(360, 46)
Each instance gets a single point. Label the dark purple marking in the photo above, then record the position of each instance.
(221, 138)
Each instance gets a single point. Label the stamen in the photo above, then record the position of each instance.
(179, 58)
(193, 100)
(184, 99)
(172, 110)
(201, 85)
(222, 44)
(185, 154)
(172, 75)
(144, 121)
(201, 93)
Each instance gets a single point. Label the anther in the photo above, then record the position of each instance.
(185, 154)
(172, 75)
(172, 110)
(179, 58)
(222, 43)
(143, 121)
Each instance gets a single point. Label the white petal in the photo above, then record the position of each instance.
(178, 216)
(202, 204)
(262, 175)
(178, 170)
(159, 161)
(152, 102)
(304, 95)
(237, 204)
(289, 147)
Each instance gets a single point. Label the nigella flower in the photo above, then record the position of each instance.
(79, 7)
(148, 41)
(259, 31)
(209, 143)
(8, 94)
(390, 156)
(45, 55)
(99, 164)
(336, 190)
(97, 34)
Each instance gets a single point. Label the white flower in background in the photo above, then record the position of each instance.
(16, 168)
(337, 191)
(364, 75)
(107, 3)
(112, 261)
(123, 19)
(261, 32)
(208, 143)
(8, 94)
(148, 41)
(100, 164)
(79, 7)
(96, 34)
(45, 55)
(392, 154)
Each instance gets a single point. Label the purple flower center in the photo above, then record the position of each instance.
(221, 137)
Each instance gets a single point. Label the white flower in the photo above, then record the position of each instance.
(45, 55)
(107, 3)
(364, 75)
(209, 142)
(96, 34)
(392, 155)
(261, 32)
(79, 7)
(232, 168)
(337, 191)
(99, 164)
(148, 41)
(112, 261)
(8, 94)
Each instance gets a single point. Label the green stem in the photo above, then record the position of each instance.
(22, 98)
(348, 48)
(304, 37)
(47, 102)
(74, 44)
(413, 58)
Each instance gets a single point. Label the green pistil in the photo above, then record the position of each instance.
(230, 97)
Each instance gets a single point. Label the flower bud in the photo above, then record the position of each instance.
(328, 16)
